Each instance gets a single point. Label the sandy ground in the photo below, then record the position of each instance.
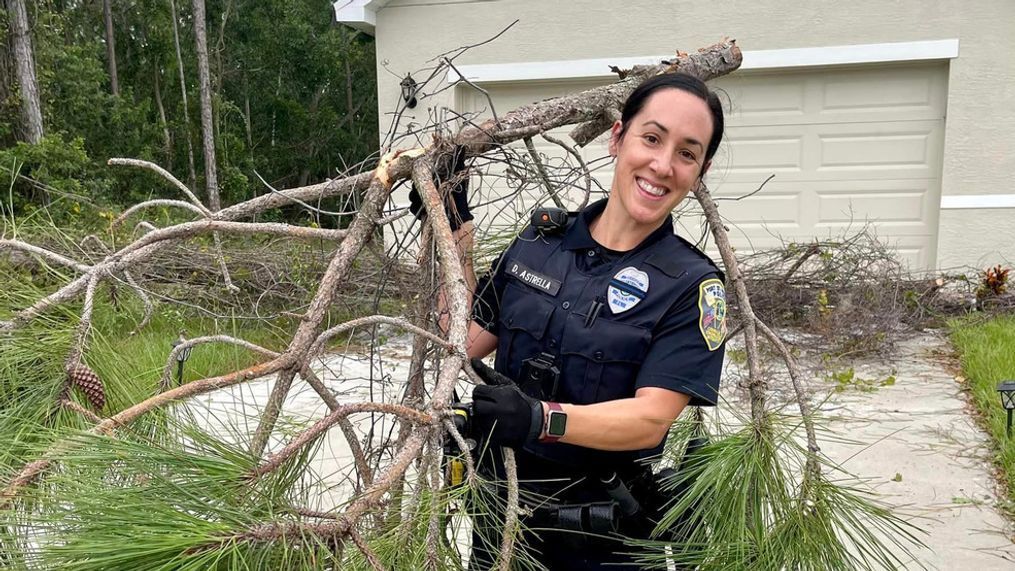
(914, 443)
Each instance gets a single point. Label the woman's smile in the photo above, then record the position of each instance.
(654, 191)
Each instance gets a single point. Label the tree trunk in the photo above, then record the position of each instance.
(191, 172)
(8, 87)
(24, 64)
(167, 137)
(107, 16)
(207, 128)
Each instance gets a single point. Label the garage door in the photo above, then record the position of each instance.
(848, 147)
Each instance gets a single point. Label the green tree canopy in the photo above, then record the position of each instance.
(294, 97)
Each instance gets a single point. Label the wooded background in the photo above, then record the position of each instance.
(290, 95)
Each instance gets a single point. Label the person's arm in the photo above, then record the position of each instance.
(625, 424)
(479, 341)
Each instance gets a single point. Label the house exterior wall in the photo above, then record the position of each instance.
(979, 144)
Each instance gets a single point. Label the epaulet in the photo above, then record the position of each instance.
(676, 266)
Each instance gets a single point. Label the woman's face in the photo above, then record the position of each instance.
(661, 156)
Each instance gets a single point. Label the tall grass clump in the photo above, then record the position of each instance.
(986, 351)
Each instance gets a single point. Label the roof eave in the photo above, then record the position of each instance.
(359, 14)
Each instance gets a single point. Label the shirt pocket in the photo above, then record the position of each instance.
(524, 319)
(602, 361)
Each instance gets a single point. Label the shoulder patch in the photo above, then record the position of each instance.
(712, 312)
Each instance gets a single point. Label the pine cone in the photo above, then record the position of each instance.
(90, 383)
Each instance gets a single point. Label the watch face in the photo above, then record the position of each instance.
(557, 424)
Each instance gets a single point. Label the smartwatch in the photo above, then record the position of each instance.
(556, 423)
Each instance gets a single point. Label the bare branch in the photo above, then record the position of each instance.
(587, 132)
(327, 335)
(465, 80)
(371, 557)
(217, 238)
(69, 404)
(154, 203)
(362, 466)
(167, 369)
(149, 308)
(43, 253)
(85, 323)
(470, 465)
(511, 515)
(543, 175)
(320, 427)
(584, 166)
(390, 167)
(530, 120)
(164, 174)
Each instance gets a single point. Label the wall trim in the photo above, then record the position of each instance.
(961, 201)
(753, 60)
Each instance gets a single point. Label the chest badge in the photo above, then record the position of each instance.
(628, 287)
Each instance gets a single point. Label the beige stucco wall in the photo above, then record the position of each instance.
(979, 156)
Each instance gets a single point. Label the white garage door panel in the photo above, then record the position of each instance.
(892, 208)
(875, 150)
(832, 151)
(752, 154)
(912, 148)
(887, 93)
(848, 148)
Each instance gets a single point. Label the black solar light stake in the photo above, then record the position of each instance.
(1007, 390)
(183, 355)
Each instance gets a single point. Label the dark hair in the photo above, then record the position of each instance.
(636, 101)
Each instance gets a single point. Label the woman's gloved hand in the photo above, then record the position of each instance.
(501, 412)
(456, 202)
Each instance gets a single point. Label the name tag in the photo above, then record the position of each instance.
(534, 279)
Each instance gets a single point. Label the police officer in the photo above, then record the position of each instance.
(609, 328)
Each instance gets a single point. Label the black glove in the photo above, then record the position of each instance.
(502, 412)
(456, 202)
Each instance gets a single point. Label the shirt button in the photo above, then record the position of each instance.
(598, 356)
(553, 343)
(592, 253)
(566, 305)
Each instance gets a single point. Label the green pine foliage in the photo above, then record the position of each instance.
(748, 506)
(186, 503)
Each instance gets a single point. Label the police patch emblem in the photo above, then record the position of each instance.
(712, 312)
(626, 289)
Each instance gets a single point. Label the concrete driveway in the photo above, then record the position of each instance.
(915, 443)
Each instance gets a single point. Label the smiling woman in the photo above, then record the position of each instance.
(660, 149)
(608, 328)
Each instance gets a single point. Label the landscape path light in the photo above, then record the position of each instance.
(1007, 391)
(409, 91)
(181, 358)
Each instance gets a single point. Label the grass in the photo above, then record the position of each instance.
(987, 355)
(130, 366)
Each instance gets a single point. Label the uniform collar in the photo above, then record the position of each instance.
(578, 236)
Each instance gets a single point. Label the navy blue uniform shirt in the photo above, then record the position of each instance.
(612, 322)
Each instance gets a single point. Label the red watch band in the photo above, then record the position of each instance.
(556, 422)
